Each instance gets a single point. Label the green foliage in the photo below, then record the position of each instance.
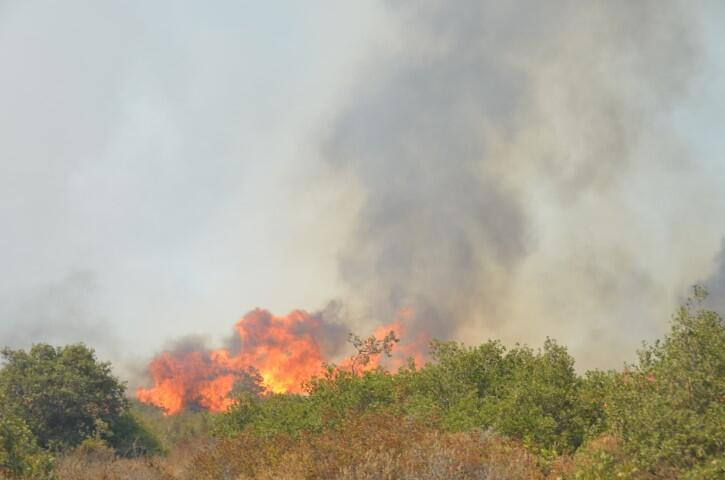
(663, 417)
(330, 400)
(594, 391)
(534, 396)
(20, 455)
(273, 415)
(669, 409)
(341, 392)
(525, 394)
(64, 394)
(130, 436)
(454, 384)
(537, 399)
(172, 431)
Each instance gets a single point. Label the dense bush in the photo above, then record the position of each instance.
(669, 408)
(663, 417)
(272, 415)
(129, 436)
(472, 412)
(20, 455)
(64, 396)
(63, 393)
(532, 396)
(172, 431)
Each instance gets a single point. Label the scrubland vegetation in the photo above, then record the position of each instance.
(483, 412)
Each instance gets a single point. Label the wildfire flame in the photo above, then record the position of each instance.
(281, 352)
(414, 348)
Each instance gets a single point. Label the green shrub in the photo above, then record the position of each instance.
(270, 415)
(129, 436)
(661, 418)
(340, 392)
(454, 384)
(173, 430)
(533, 396)
(20, 455)
(329, 401)
(669, 409)
(537, 399)
(64, 394)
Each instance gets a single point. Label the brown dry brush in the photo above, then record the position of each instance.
(380, 446)
(98, 462)
(367, 448)
(373, 446)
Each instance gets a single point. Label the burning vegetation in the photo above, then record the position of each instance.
(273, 354)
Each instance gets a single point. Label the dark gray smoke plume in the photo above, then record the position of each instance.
(482, 108)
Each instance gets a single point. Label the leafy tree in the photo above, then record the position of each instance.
(63, 393)
(534, 396)
(20, 454)
(453, 385)
(669, 409)
(130, 436)
(537, 399)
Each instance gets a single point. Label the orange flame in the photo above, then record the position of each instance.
(284, 351)
(415, 348)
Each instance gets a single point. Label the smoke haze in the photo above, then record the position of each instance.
(493, 150)
(506, 169)
(715, 284)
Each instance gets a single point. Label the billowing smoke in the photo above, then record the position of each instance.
(60, 312)
(715, 284)
(488, 169)
(482, 113)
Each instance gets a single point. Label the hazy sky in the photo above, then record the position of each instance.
(516, 171)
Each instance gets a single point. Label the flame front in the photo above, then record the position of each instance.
(285, 350)
(280, 352)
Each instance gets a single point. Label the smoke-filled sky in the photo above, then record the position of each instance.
(513, 170)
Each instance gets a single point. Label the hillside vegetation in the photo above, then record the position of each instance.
(473, 412)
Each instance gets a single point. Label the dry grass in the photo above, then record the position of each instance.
(370, 447)
(100, 463)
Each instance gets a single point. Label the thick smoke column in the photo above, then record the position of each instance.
(483, 106)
